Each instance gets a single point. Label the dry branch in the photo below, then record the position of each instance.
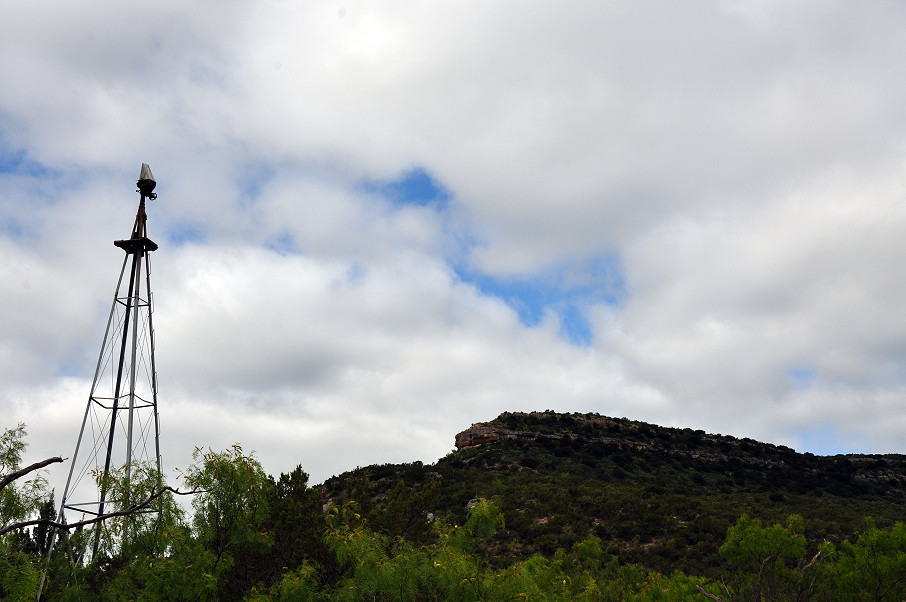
(18, 474)
(702, 591)
(6, 480)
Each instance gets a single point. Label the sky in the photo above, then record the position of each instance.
(381, 222)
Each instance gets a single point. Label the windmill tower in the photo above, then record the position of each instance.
(120, 430)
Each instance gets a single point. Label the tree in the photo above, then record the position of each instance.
(230, 514)
(19, 499)
(874, 567)
(19, 573)
(770, 562)
(295, 524)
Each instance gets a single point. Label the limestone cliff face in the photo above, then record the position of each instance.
(480, 433)
(477, 434)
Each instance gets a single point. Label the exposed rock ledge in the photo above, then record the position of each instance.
(482, 433)
(479, 434)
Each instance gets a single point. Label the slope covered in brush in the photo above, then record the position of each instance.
(661, 497)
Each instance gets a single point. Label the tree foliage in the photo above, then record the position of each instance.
(874, 567)
(19, 499)
(256, 537)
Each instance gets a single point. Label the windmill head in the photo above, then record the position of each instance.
(146, 182)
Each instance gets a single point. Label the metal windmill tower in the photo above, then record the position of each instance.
(120, 429)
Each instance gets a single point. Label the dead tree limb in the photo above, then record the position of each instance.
(101, 517)
(702, 591)
(18, 474)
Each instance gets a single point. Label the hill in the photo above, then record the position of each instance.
(656, 496)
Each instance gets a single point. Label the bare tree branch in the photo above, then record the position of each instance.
(102, 517)
(813, 561)
(764, 563)
(707, 595)
(18, 474)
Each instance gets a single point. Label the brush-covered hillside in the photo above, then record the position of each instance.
(538, 506)
(659, 497)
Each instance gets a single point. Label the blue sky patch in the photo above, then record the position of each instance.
(252, 180)
(568, 290)
(801, 376)
(73, 367)
(413, 187)
(17, 162)
(184, 233)
(575, 326)
(826, 441)
(356, 274)
(11, 228)
(283, 244)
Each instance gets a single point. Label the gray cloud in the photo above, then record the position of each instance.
(741, 161)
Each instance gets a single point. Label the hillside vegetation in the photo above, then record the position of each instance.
(660, 497)
(538, 506)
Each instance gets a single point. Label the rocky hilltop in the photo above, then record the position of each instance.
(658, 496)
(621, 434)
(489, 432)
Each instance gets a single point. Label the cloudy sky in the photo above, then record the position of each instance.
(380, 222)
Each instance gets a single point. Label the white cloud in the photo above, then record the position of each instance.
(742, 162)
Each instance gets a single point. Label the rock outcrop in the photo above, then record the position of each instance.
(621, 434)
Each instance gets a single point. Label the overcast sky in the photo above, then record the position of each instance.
(380, 222)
